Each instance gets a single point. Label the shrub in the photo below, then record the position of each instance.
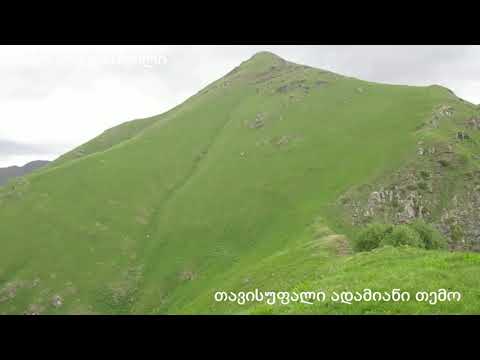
(431, 237)
(418, 234)
(425, 174)
(444, 162)
(423, 186)
(403, 235)
(411, 187)
(456, 232)
(371, 236)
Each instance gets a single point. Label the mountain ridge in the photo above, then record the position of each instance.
(243, 185)
(134, 127)
(10, 172)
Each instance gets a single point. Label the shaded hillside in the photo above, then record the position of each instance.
(15, 171)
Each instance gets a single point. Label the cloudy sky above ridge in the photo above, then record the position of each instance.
(54, 98)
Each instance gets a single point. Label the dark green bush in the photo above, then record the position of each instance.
(431, 237)
(418, 234)
(444, 162)
(403, 235)
(371, 236)
(425, 174)
(423, 186)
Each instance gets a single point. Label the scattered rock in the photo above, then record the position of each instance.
(421, 151)
(461, 135)
(35, 283)
(445, 110)
(187, 276)
(296, 84)
(474, 123)
(57, 301)
(9, 291)
(460, 221)
(34, 309)
(258, 123)
(283, 140)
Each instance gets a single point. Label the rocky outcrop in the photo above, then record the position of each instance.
(450, 200)
(474, 123)
(395, 204)
(258, 122)
(440, 185)
(461, 221)
(444, 110)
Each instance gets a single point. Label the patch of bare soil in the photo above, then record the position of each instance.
(339, 244)
(9, 291)
(187, 275)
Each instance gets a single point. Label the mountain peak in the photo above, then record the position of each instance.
(265, 55)
(262, 60)
(265, 58)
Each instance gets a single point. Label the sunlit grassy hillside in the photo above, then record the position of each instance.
(222, 192)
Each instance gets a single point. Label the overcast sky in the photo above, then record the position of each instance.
(54, 98)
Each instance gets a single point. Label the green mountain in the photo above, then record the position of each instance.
(261, 180)
(15, 171)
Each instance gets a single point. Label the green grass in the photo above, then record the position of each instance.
(153, 216)
(410, 270)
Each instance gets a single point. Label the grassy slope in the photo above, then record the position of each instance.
(166, 213)
(315, 266)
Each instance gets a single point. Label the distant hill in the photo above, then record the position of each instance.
(15, 171)
(262, 180)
